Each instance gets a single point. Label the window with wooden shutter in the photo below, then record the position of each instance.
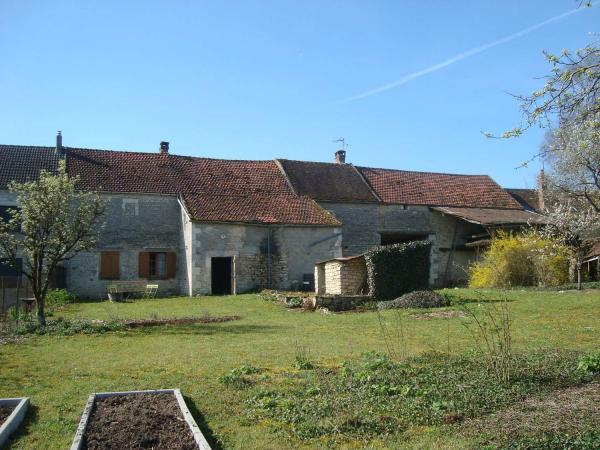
(158, 265)
(109, 265)
(144, 265)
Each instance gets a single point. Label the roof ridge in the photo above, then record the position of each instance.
(135, 152)
(427, 172)
(364, 180)
(26, 146)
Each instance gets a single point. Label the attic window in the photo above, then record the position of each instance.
(130, 207)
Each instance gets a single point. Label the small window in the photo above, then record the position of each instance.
(5, 214)
(109, 265)
(11, 270)
(158, 265)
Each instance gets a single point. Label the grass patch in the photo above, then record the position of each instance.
(59, 372)
(373, 397)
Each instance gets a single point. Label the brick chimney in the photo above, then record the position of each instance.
(60, 151)
(541, 184)
(340, 156)
(164, 148)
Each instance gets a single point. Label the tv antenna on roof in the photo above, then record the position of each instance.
(343, 142)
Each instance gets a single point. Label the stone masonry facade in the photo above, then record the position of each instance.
(364, 224)
(189, 223)
(341, 277)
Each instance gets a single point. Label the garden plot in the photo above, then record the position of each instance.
(138, 419)
(12, 413)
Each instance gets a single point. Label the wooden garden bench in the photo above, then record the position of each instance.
(128, 288)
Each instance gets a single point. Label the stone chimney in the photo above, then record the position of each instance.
(340, 157)
(60, 151)
(541, 184)
(164, 148)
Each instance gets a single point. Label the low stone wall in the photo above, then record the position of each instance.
(340, 302)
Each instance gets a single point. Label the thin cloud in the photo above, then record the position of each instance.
(460, 57)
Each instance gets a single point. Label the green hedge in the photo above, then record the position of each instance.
(396, 269)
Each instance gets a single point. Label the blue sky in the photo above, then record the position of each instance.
(259, 80)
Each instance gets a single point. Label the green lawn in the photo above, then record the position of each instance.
(59, 372)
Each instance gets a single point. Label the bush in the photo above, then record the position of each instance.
(590, 363)
(416, 299)
(521, 260)
(396, 269)
(57, 298)
(238, 377)
(68, 327)
(20, 314)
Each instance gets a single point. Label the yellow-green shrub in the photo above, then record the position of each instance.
(521, 260)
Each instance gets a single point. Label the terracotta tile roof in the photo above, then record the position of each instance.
(527, 198)
(118, 171)
(267, 209)
(327, 182)
(212, 189)
(492, 217)
(255, 191)
(594, 250)
(437, 189)
(23, 163)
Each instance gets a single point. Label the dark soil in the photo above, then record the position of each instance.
(5, 411)
(138, 421)
(177, 321)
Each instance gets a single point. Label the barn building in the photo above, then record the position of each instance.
(213, 226)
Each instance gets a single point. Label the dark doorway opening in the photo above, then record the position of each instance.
(390, 237)
(221, 271)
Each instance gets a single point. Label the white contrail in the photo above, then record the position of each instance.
(459, 57)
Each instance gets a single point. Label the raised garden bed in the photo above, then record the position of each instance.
(138, 419)
(12, 413)
(138, 323)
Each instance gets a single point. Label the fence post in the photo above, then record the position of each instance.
(18, 292)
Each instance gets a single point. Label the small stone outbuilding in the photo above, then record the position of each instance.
(341, 276)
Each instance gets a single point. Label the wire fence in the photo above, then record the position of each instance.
(16, 297)
(15, 300)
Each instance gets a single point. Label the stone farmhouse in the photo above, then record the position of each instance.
(213, 226)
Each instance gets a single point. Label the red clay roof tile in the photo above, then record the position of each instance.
(22, 163)
(437, 189)
(212, 189)
(252, 208)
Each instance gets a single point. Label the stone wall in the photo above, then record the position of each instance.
(133, 224)
(7, 198)
(341, 277)
(363, 224)
(263, 256)
(141, 222)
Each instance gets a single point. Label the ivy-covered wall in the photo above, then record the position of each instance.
(396, 269)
